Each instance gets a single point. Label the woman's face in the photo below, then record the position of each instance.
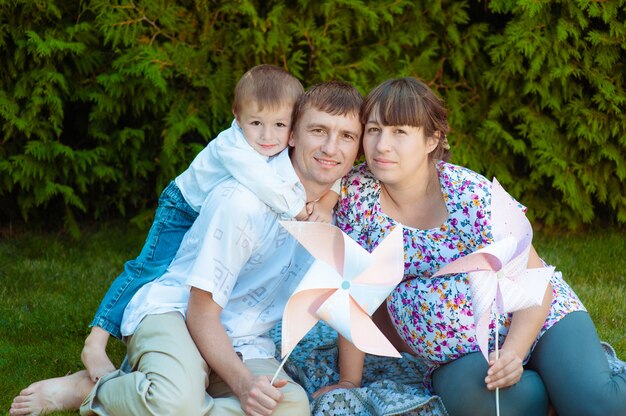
(396, 154)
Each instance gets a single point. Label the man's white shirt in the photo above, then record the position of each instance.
(238, 251)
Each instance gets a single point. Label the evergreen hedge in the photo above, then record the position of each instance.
(103, 102)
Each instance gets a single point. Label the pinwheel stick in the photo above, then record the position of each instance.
(280, 367)
(497, 357)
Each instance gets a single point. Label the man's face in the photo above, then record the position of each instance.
(325, 146)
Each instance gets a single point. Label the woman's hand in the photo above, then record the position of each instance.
(320, 214)
(343, 384)
(525, 326)
(504, 372)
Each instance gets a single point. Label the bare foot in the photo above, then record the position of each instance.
(96, 361)
(53, 394)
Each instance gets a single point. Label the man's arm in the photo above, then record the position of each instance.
(256, 395)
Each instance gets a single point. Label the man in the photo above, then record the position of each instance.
(242, 267)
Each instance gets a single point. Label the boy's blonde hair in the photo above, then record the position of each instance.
(267, 85)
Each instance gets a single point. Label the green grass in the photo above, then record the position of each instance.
(594, 265)
(50, 287)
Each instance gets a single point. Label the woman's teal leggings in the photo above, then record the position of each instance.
(567, 369)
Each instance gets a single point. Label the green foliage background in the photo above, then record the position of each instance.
(103, 102)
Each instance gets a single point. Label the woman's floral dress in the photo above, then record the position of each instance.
(434, 315)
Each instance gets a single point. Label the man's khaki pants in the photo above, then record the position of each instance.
(170, 377)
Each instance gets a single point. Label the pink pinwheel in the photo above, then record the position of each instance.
(497, 274)
(344, 286)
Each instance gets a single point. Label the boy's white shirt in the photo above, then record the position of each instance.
(230, 155)
(237, 250)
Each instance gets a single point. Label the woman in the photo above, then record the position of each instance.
(550, 353)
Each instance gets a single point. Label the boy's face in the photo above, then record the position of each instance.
(267, 130)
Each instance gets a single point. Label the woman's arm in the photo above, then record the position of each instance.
(525, 325)
(350, 367)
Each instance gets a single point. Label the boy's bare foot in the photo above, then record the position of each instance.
(53, 394)
(97, 362)
(94, 354)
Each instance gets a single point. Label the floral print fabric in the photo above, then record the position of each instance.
(434, 315)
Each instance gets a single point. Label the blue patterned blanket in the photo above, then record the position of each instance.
(391, 386)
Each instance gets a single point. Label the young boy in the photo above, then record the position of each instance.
(263, 102)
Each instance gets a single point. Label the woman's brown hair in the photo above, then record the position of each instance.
(409, 102)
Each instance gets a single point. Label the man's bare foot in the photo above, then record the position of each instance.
(53, 394)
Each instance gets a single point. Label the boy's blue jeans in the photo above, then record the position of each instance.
(172, 220)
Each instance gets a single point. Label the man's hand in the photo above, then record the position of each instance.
(94, 355)
(258, 397)
(504, 372)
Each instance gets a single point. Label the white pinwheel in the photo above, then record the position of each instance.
(344, 286)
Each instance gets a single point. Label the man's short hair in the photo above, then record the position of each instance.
(267, 85)
(333, 97)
